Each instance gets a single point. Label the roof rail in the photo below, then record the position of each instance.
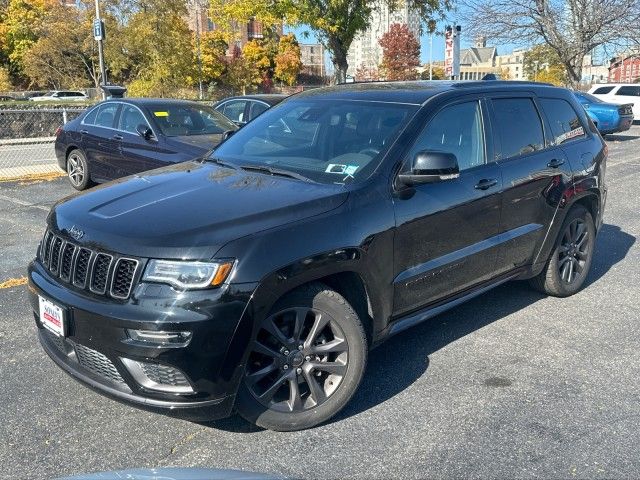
(484, 83)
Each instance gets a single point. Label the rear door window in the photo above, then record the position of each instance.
(629, 91)
(106, 115)
(564, 121)
(234, 110)
(602, 90)
(519, 126)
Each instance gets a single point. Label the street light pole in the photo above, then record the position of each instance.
(100, 39)
(198, 52)
(431, 56)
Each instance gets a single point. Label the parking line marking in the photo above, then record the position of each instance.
(13, 282)
(23, 203)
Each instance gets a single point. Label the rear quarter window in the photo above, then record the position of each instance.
(564, 120)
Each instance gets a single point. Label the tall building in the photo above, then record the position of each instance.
(365, 51)
(625, 68)
(312, 56)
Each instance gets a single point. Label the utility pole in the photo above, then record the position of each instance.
(431, 56)
(198, 53)
(98, 34)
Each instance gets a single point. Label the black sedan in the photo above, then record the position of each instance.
(121, 137)
(241, 110)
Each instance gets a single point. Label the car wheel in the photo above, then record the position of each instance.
(78, 170)
(570, 261)
(306, 361)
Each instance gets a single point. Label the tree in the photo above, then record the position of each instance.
(336, 23)
(240, 75)
(571, 28)
(400, 53)
(256, 56)
(437, 72)
(365, 74)
(542, 64)
(213, 48)
(288, 60)
(5, 83)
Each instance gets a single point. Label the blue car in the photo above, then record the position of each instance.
(608, 117)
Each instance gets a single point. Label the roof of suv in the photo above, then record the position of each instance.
(412, 92)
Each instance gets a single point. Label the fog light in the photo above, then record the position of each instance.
(160, 338)
(154, 376)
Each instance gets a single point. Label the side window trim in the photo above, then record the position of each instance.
(117, 117)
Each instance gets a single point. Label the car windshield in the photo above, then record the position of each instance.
(588, 98)
(326, 141)
(175, 120)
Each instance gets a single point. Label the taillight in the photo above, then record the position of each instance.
(59, 131)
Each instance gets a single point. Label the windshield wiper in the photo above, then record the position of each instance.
(276, 171)
(219, 161)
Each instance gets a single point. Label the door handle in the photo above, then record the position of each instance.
(117, 137)
(84, 132)
(555, 163)
(486, 183)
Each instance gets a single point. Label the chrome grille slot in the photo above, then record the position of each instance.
(82, 267)
(99, 272)
(66, 262)
(56, 247)
(123, 275)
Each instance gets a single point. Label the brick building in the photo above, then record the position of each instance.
(625, 68)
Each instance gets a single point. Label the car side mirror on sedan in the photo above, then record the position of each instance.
(144, 131)
(431, 166)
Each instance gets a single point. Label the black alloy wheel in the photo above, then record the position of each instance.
(305, 362)
(574, 251)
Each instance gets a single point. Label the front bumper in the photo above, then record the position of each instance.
(96, 342)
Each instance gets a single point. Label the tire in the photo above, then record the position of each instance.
(569, 263)
(330, 332)
(78, 170)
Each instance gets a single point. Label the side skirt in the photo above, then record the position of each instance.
(420, 316)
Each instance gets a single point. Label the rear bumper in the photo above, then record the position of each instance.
(97, 346)
(621, 125)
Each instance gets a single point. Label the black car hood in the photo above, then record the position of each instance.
(200, 143)
(188, 210)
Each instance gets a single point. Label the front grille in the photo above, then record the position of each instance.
(164, 374)
(99, 272)
(56, 340)
(97, 363)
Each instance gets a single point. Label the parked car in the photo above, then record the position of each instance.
(61, 96)
(241, 110)
(257, 279)
(607, 117)
(121, 137)
(6, 98)
(619, 93)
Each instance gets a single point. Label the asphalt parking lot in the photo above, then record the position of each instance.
(510, 385)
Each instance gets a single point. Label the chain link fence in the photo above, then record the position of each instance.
(27, 136)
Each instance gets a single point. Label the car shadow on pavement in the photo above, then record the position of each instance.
(398, 363)
(621, 138)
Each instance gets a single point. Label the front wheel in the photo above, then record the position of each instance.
(306, 361)
(570, 261)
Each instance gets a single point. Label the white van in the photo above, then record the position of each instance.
(619, 93)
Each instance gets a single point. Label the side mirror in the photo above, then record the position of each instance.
(227, 134)
(144, 131)
(431, 166)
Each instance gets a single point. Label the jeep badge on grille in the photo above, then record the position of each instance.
(76, 233)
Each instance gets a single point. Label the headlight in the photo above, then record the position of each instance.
(187, 275)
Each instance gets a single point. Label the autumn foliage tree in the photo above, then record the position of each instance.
(400, 53)
(288, 60)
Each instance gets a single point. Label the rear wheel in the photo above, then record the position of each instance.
(306, 362)
(78, 170)
(570, 261)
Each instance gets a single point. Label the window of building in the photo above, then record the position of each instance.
(519, 126)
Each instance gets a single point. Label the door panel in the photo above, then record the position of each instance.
(535, 173)
(446, 231)
(98, 143)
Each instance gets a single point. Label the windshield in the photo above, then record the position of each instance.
(175, 120)
(326, 141)
(587, 97)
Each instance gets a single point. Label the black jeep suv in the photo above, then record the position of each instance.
(258, 278)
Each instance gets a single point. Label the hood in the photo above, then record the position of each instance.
(188, 210)
(201, 143)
